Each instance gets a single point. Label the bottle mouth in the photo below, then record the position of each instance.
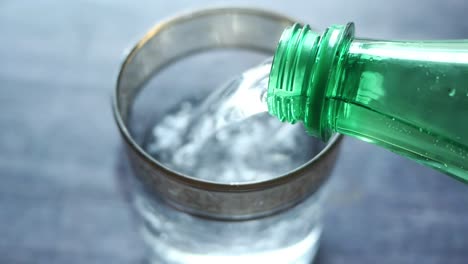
(303, 72)
(290, 73)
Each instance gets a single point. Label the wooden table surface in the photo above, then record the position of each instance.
(59, 147)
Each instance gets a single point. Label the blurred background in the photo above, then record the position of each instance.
(59, 146)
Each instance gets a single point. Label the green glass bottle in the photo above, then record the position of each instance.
(410, 97)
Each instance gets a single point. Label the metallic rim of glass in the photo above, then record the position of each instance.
(156, 171)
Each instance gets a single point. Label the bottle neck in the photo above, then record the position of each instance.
(410, 97)
(304, 70)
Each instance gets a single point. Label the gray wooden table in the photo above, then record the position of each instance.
(59, 148)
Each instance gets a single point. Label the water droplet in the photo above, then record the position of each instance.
(420, 130)
(452, 92)
(418, 89)
(437, 77)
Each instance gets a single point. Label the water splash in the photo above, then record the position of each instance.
(229, 137)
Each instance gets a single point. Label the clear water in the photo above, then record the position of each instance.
(229, 137)
(175, 237)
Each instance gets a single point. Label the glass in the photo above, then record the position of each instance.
(410, 97)
(189, 220)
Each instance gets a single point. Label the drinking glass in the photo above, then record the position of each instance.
(189, 220)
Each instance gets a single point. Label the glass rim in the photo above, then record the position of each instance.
(159, 176)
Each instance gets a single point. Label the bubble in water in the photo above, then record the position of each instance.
(452, 92)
